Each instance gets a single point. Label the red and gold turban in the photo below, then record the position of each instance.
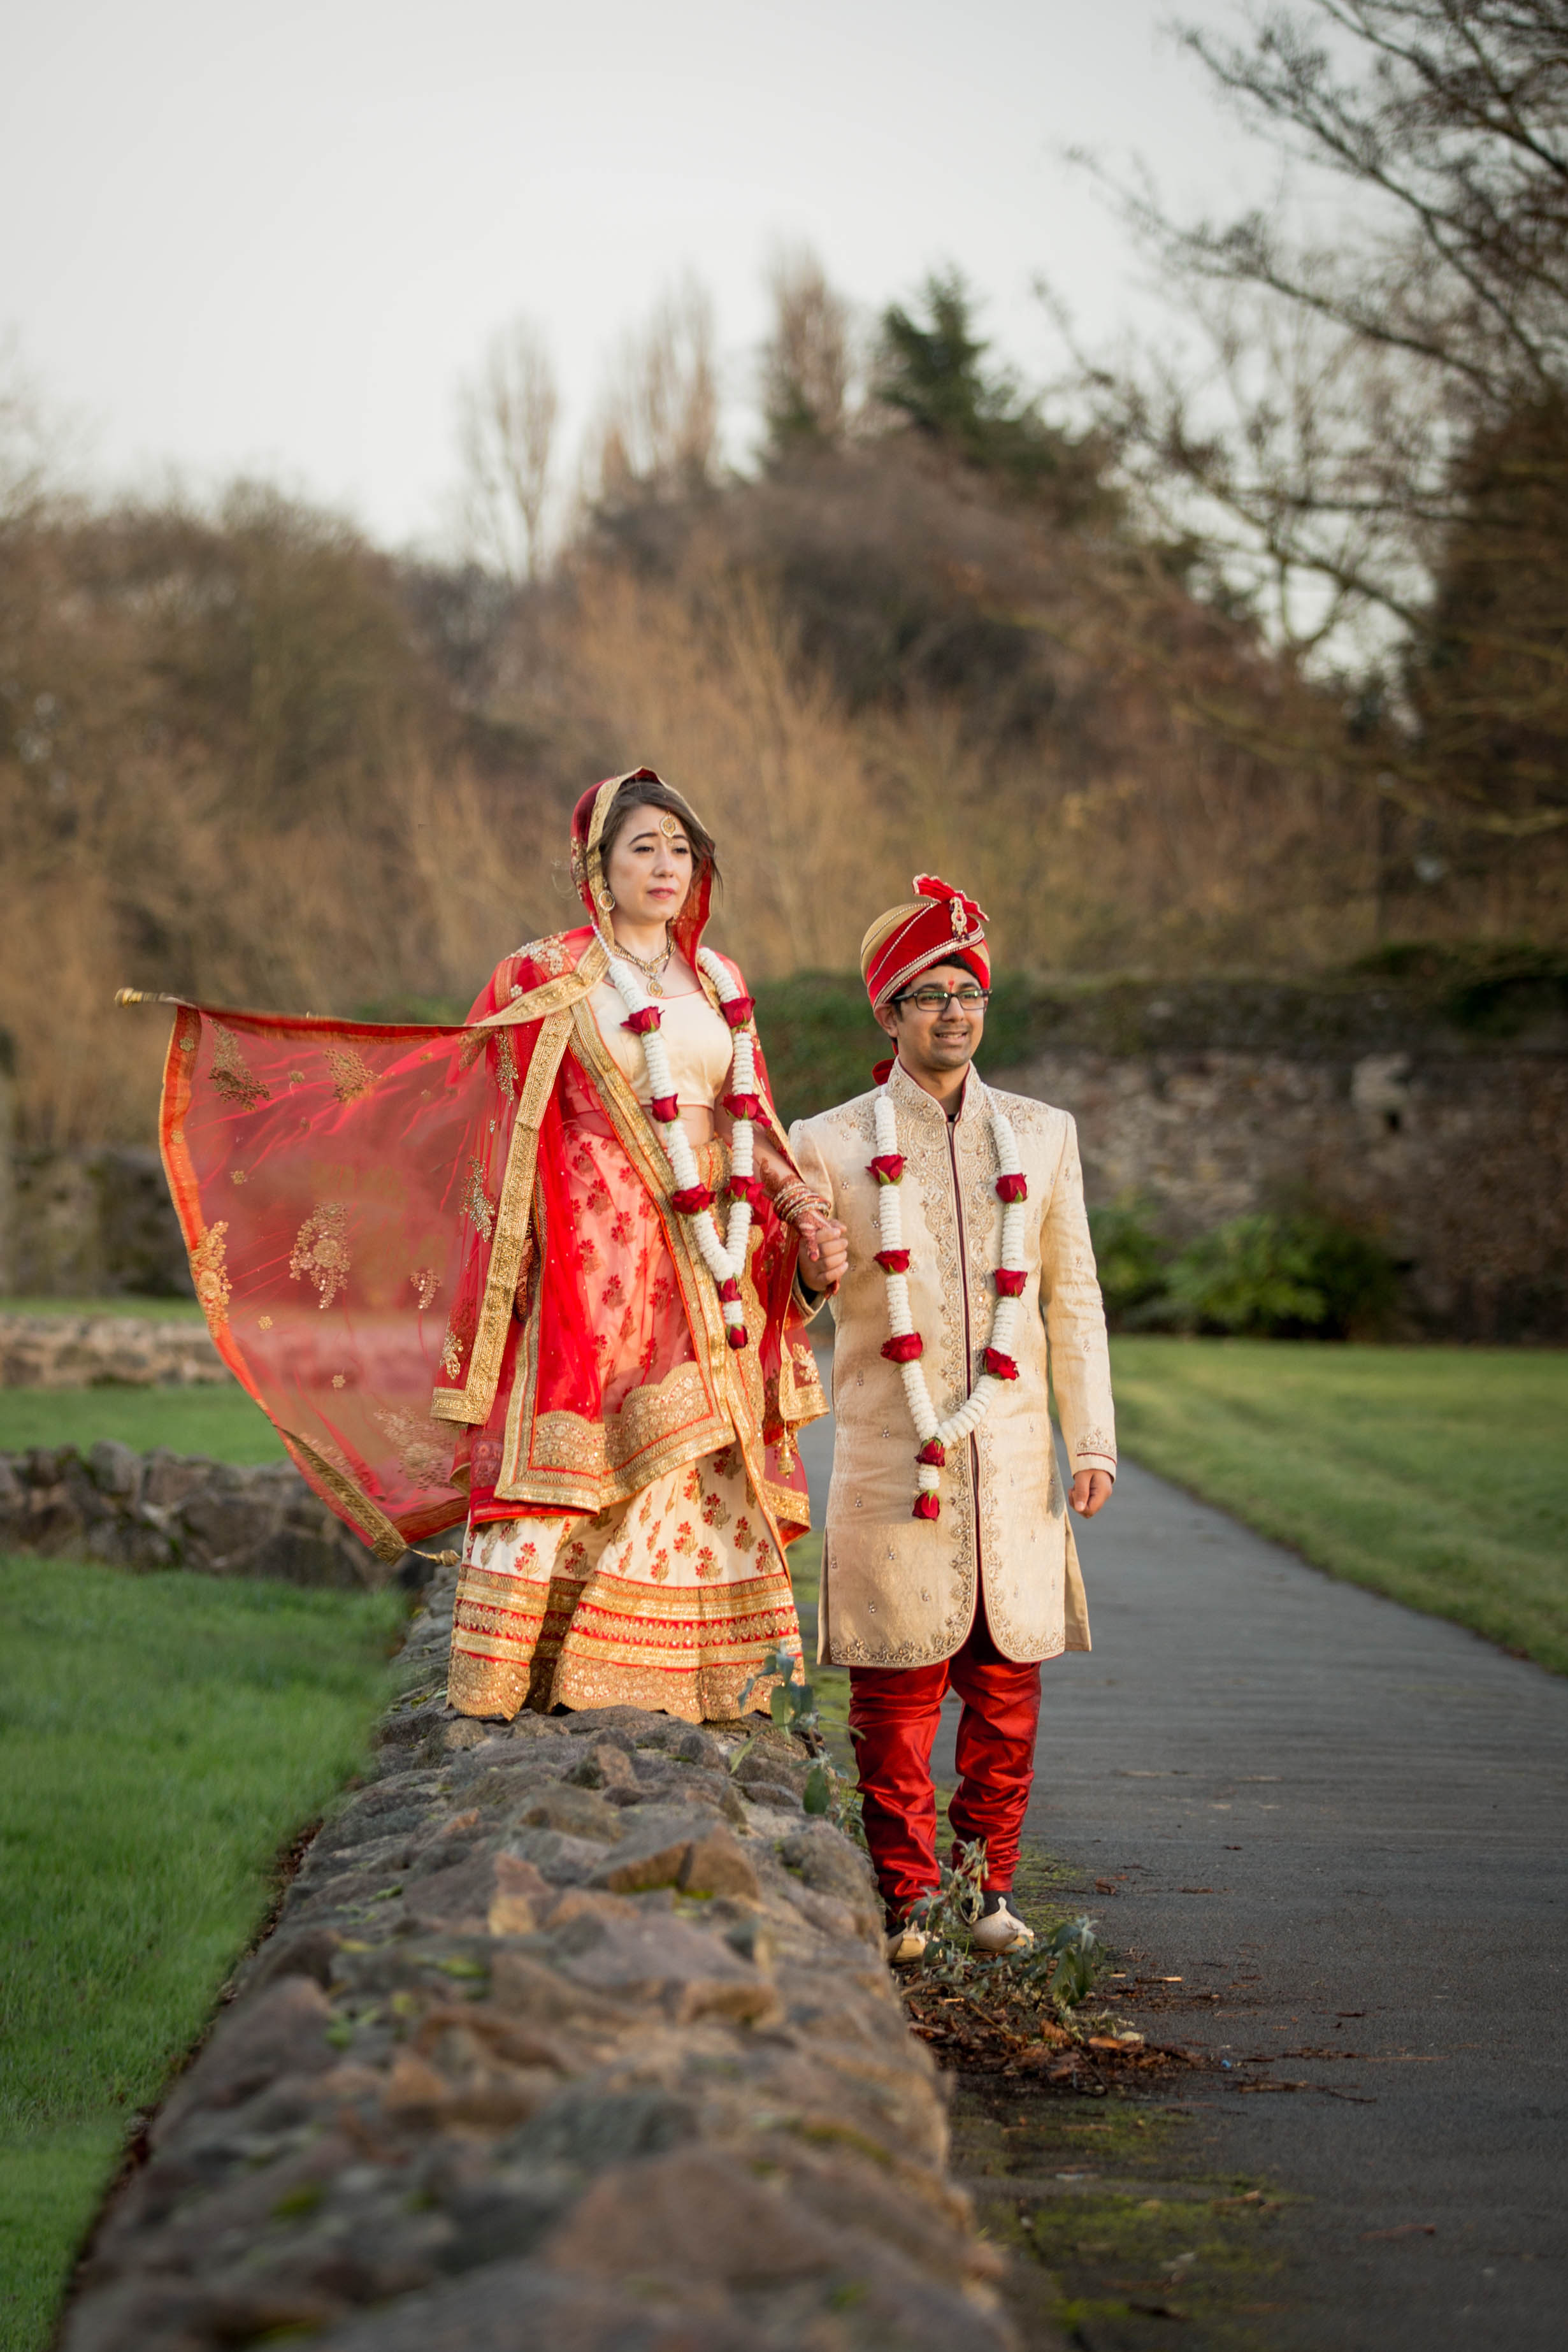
(941, 925)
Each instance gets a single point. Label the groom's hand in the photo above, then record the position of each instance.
(824, 1252)
(1091, 1492)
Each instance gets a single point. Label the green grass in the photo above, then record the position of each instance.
(161, 1740)
(1437, 1476)
(221, 1423)
(142, 1310)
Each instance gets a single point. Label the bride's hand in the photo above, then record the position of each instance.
(824, 1252)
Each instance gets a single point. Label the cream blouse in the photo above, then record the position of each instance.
(696, 1039)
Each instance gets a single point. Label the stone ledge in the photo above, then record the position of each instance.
(145, 1511)
(560, 2038)
(92, 1352)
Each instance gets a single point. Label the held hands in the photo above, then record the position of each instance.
(1091, 1492)
(824, 1252)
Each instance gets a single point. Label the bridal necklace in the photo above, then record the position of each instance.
(724, 1259)
(653, 967)
(907, 1347)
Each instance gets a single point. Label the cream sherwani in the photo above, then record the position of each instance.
(901, 1591)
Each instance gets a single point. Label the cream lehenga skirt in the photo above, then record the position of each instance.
(670, 1600)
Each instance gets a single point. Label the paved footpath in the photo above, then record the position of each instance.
(1351, 1823)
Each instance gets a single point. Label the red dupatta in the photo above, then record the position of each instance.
(389, 1238)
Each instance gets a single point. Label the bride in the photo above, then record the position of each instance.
(538, 1267)
(627, 1431)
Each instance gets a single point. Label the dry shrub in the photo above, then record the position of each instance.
(715, 697)
(1134, 832)
(228, 775)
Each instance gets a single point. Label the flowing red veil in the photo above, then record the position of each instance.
(356, 1200)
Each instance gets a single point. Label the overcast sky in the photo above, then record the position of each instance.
(272, 238)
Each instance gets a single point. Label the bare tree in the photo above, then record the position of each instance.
(507, 414)
(658, 427)
(40, 444)
(1372, 452)
(807, 363)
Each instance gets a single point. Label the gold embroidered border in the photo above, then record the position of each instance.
(553, 1654)
(472, 1403)
(486, 1686)
(554, 996)
(384, 1539)
(701, 1693)
(693, 1612)
(580, 1489)
(651, 1417)
(784, 1506)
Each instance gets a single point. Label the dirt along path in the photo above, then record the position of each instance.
(1328, 1838)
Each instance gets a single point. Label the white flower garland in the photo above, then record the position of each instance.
(1012, 1190)
(726, 1259)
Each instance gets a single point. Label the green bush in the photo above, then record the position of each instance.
(1130, 1260)
(1281, 1276)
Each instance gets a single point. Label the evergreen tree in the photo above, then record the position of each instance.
(932, 372)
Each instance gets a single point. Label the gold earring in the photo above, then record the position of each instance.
(605, 899)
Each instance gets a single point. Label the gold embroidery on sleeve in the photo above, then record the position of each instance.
(321, 1250)
(230, 1075)
(427, 1282)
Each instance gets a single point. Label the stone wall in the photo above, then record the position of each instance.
(571, 2034)
(56, 1351)
(91, 1225)
(1457, 1165)
(144, 1511)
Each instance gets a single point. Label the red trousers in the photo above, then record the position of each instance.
(894, 1713)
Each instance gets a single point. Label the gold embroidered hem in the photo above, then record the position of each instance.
(669, 1601)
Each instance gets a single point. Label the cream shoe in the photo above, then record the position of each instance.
(906, 1939)
(999, 1928)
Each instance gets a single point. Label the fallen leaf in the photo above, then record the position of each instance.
(1405, 2230)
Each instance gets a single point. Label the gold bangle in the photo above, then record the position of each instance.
(794, 1200)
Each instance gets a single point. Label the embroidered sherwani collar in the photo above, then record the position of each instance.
(912, 1101)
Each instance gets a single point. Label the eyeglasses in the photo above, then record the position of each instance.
(937, 1000)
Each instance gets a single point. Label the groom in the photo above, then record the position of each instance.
(948, 1560)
